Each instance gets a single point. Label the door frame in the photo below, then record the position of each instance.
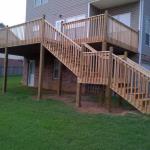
(33, 63)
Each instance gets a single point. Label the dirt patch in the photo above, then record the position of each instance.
(88, 105)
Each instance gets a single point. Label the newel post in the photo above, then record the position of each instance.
(105, 40)
(108, 87)
(42, 60)
(4, 89)
(59, 86)
(125, 55)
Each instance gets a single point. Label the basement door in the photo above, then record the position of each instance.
(31, 73)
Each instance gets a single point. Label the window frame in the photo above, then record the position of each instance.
(56, 68)
(41, 2)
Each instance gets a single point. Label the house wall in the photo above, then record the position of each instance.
(145, 58)
(69, 8)
(69, 80)
(54, 8)
(133, 8)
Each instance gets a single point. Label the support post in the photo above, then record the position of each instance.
(108, 87)
(5, 71)
(59, 80)
(78, 95)
(101, 97)
(41, 68)
(4, 89)
(104, 43)
(125, 55)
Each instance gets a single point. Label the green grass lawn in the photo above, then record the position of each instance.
(26, 124)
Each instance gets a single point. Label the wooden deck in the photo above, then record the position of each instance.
(102, 28)
(124, 77)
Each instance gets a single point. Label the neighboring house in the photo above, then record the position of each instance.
(72, 47)
(15, 63)
(15, 66)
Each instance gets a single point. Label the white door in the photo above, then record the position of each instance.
(124, 18)
(58, 25)
(31, 72)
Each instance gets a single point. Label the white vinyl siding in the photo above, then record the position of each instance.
(124, 18)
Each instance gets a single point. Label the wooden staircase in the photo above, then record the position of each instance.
(127, 79)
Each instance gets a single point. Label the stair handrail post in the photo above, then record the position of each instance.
(43, 29)
(81, 61)
(106, 15)
(125, 56)
(110, 66)
(108, 87)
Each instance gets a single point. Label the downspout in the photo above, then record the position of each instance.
(141, 19)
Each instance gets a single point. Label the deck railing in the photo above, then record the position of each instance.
(66, 50)
(131, 83)
(102, 28)
(22, 34)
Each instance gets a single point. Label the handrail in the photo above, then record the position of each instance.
(129, 62)
(62, 34)
(130, 28)
(88, 47)
(139, 67)
(102, 28)
(21, 24)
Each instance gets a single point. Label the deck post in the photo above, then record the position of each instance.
(104, 43)
(5, 71)
(78, 95)
(125, 55)
(59, 80)
(42, 60)
(4, 89)
(41, 68)
(104, 46)
(108, 93)
(101, 97)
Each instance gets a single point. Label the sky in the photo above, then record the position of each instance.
(12, 12)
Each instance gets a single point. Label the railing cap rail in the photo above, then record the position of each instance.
(64, 35)
(21, 24)
(132, 66)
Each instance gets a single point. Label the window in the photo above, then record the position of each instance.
(147, 31)
(56, 70)
(40, 2)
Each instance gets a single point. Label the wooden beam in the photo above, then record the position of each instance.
(4, 90)
(78, 95)
(108, 87)
(59, 80)
(41, 69)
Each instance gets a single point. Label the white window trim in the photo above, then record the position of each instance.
(54, 68)
(41, 3)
